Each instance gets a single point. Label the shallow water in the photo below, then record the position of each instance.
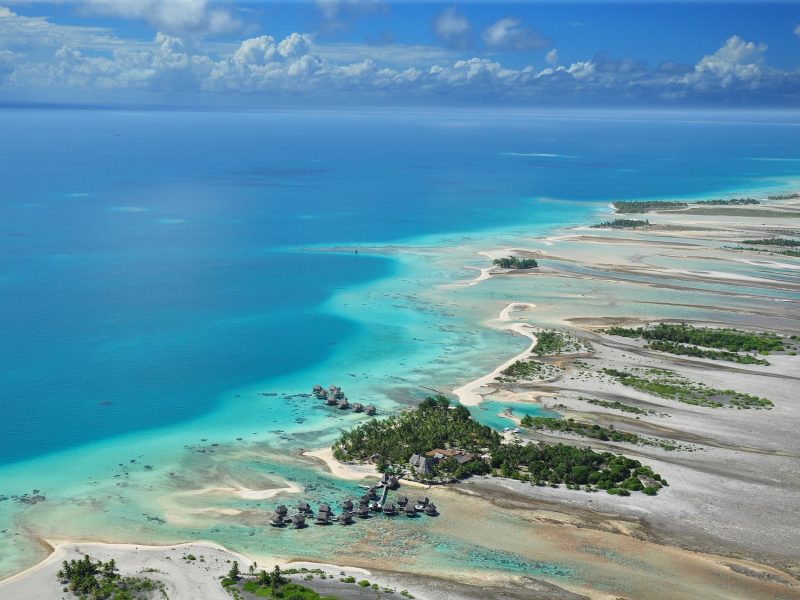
(166, 286)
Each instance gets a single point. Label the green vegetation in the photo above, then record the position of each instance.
(578, 428)
(512, 262)
(732, 340)
(784, 196)
(596, 432)
(554, 464)
(761, 213)
(668, 384)
(551, 341)
(729, 202)
(773, 242)
(622, 224)
(684, 350)
(645, 206)
(434, 424)
(100, 581)
(794, 253)
(274, 584)
(528, 370)
(618, 406)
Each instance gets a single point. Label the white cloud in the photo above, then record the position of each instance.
(797, 30)
(85, 61)
(453, 29)
(736, 61)
(509, 34)
(172, 16)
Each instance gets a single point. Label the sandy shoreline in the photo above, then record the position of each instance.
(743, 468)
(469, 394)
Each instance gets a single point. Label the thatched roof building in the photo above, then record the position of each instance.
(421, 464)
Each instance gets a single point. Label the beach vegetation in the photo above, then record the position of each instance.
(512, 262)
(551, 341)
(622, 224)
(96, 580)
(616, 405)
(668, 384)
(791, 196)
(435, 424)
(729, 202)
(528, 370)
(731, 340)
(638, 207)
(773, 242)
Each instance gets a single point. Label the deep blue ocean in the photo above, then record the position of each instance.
(150, 261)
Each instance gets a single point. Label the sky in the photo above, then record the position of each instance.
(400, 53)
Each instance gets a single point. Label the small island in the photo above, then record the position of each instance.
(512, 262)
(440, 443)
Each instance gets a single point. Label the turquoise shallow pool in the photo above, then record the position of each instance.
(491, 413)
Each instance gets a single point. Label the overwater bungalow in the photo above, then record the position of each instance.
(421, 503)
(331, 400)
(346, 518)
(281, 510)
(347, 505)
(358, 407)
(364, 500)
(363, 511)
(430, 509)
(371, 410)
(390, 481)
(374, 506)
(410, 510)
(344, 404)
(277, 520)
(318, 389)
(372, 492)
(323, 518)
(305, 508)
(402, 500)
(390, 509)
(299, 521)
(324, 508)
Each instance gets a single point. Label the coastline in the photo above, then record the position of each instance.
(470, 395)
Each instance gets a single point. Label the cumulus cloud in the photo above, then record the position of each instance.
(509, 34)
(453, 28)
(737, 61)
(294, 67)
(172, 16)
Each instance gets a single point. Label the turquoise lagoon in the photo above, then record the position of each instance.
(171, 284)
